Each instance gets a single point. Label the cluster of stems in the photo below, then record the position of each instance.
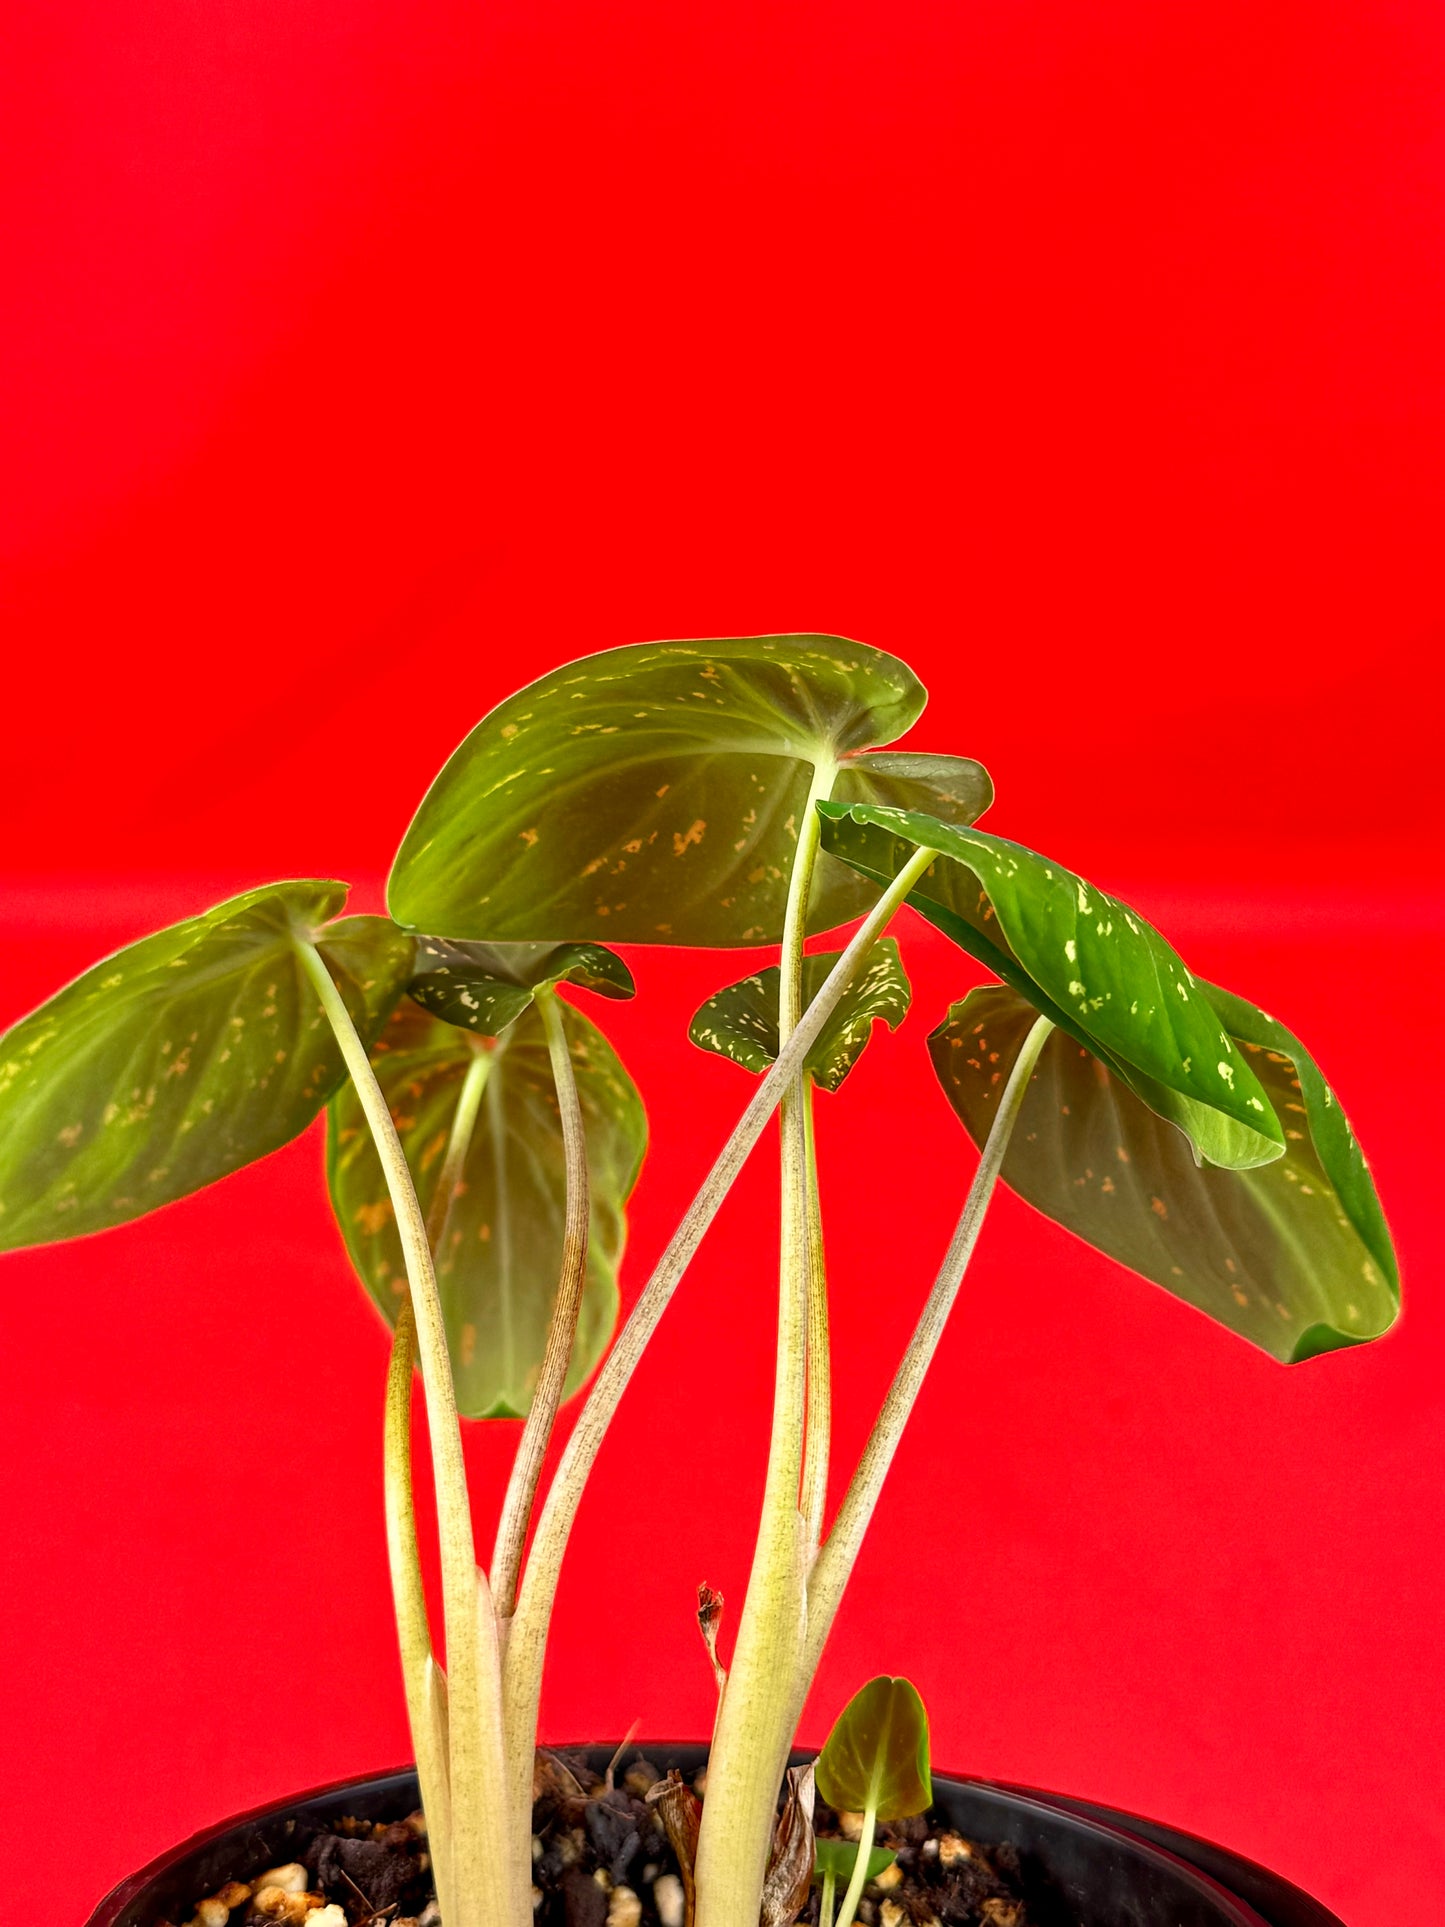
(474, 1725)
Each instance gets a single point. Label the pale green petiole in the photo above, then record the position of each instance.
(423, 1679)
(527, 1638)
(827, 1898)
(483, 1871)
(835, 1561)
(860, 1868)
(753, 1732)
(820, 1371)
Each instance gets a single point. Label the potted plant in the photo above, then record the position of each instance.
(482, 1141)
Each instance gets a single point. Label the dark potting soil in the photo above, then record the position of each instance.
(601, 1857)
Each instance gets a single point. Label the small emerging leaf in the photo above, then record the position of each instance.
(840, 1857)
(1086, 961)
(501, 1250)
(741, 1022)
(1294, 1256)
(182, 1058)
(876, 1756)
(484, 987)
(652, 794)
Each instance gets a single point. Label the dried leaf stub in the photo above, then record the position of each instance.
(790, 1866)
(681, 1813)
(554, 1780)
(709, 1620)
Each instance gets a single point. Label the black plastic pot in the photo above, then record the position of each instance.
(1097, 1867)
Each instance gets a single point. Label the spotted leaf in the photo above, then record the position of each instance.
(1294, 1256)
(501, 1247)
(652, 794)
(181, 1058)
(1084, 959)
(876, 1757)
(741, 1022)
(484, 987)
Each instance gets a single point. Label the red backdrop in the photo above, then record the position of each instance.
(369, 359)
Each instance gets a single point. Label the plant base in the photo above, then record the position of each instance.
(1082, 1865)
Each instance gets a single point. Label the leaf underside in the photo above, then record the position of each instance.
(501, 1250)
(1083, 958)
(1293, 1256)
(877, 1753)
(484, 987)
(741, 1022)
(182, 1058)
(652, 794)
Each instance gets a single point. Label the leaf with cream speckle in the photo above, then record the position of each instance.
(501, 1249)
(1084, 959)
(653, 794)
(182, 1058)
(1295, 1255)
(484, 987)
(741, 1022)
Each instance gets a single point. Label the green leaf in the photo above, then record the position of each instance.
(953, 788)
(877, 1754)
(484, 987)
(1294, 1256)
(741, 1022)
(502, 1248)
(1085, 960)
(652, 794)
(840, 1857)
(181, 1058)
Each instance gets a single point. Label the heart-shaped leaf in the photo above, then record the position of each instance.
(1294, 1256)
(876, 1757)
(741, 1022)
(1085, 960)
(181, 1058)
(653, 794)
(501, 1248)
(840, 1857)
(484, 987)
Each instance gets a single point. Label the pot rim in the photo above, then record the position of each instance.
(1241, 1884)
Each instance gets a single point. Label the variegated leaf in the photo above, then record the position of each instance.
(1294, 1255)
(741, 1022)
(501, 1247)
(653, 794)
(484, 987)
(1084, 959)
(181, 1058)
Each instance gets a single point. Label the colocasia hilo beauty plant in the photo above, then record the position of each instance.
(483, 1138)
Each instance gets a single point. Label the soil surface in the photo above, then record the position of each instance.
(602, 1857)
